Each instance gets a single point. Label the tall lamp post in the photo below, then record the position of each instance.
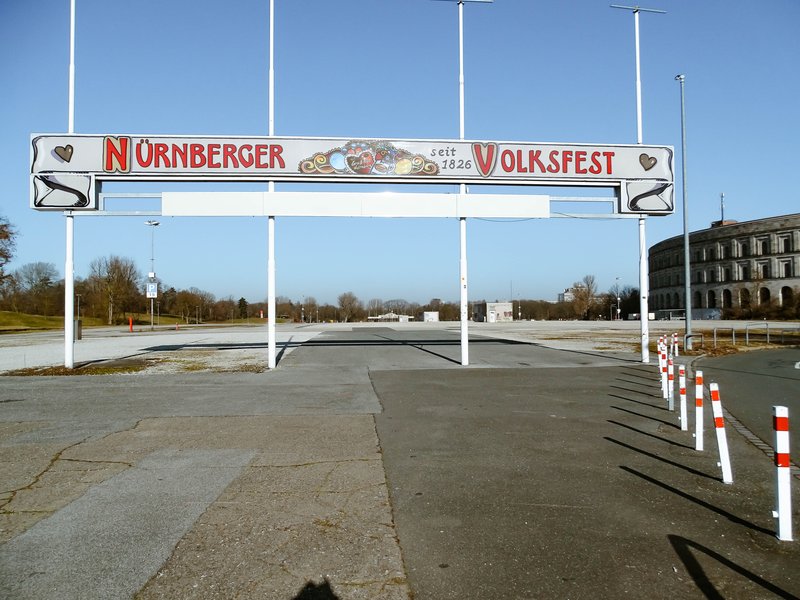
(644, 311)
(152, 286)
(462, 189)
(687, 284)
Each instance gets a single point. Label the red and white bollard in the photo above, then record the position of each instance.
(682, 393)
(664, 377)
(671, 384)
(674, 344)
(698, 411)
(783, 481)
(722, 439)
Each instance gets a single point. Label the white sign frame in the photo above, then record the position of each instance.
(67, 170)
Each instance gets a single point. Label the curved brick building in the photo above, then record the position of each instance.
(736, 266)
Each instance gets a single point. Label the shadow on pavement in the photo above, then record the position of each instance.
(683, 548)
(661, 458)
(698, 501)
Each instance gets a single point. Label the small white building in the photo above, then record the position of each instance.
(430, 316)
(494, 312)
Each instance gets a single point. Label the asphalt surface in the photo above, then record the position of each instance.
(370, 464)
(752, 383)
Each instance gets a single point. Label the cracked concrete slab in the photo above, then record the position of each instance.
(108, 542)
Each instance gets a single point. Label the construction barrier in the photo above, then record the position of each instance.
(783, 480)
(698, 411)
(682, 394)
(671, 384)
(722, 439)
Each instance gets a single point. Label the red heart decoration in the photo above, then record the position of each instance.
(361, 163)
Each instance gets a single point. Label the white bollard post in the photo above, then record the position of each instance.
(663, 361)
(682, 392)
(671, 384)
(675, 344)
(722, 439)
(783, 480)
(698, 411)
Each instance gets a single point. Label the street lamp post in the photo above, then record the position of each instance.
(462, 189)
(152, 275)
(687, 284)
(644, 311)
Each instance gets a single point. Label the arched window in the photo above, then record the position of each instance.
(786, 296)
(727, 299)
(744, 298)
(676, 301)
(697, 302)
(763, 296)
(712, 299)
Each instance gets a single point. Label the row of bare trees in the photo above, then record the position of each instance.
(114, 291)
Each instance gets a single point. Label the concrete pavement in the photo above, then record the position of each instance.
(371, 465)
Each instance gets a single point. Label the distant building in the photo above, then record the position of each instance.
(568, 295)
(494, 312)
(733, 266)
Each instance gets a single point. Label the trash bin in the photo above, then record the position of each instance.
(78, 329)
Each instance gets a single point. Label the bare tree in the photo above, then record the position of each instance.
(349, 306)
(37, 286)
(114, 282)
(7, 245)
(584, 293)
(375, 307)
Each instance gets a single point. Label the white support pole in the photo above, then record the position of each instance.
(722, 439)
(69, 294)
(644, 311)
(71, 101)
(464, 295)
(783, 477)
(463, 190)
(682, 393)
(271, 354)
(271, 74)
(69, 259)
(271, 312)
(698, 411)
(638, 79)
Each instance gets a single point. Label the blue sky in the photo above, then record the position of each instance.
(535, 70)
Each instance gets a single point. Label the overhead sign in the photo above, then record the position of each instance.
(65, 168)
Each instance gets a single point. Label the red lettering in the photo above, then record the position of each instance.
(229, 156)
(179, 152)
(596, 167)
(609, 166)
(196, 157)
(566, 158)
(246, 155)
(261, 152)
(161, 155)
(580, 158)
(213, 152)
(553, 166)
(520, 167)
(116, 155)
(275, 156)
(533, 159)
(139, 158)
(485, 164)
(507, 161)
